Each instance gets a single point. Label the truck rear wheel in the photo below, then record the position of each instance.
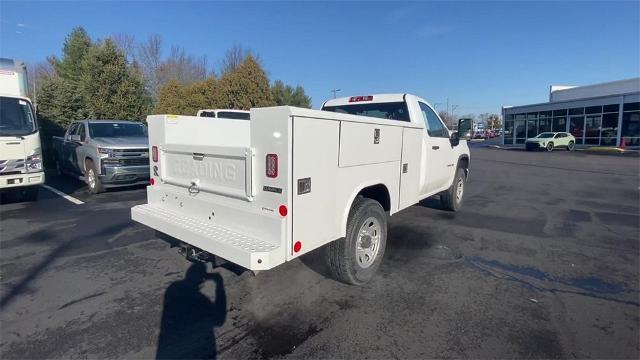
(91, 178)
(355, 258)
(452, 198)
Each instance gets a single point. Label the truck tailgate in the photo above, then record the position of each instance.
(214, 169)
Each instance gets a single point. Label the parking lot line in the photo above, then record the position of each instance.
(60, 193)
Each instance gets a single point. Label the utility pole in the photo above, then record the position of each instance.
(334, 91)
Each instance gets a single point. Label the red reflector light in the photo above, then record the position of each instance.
(283, 210)
(272, 165)
(152, 181)
(154, 153)
(360, 98)
(297, 246)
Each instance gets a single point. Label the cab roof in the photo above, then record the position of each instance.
(375, 98)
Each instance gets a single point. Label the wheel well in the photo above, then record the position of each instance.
(379, 193)
(463, 162)
(85, 163)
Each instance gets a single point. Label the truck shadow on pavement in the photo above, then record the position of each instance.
(189, 317)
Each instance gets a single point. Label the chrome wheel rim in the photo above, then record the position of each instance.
(91, 179)
(459, 189)
(368, 243)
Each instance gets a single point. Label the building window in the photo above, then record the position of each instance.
(593, 110)
(532, 128)
(508, 132)
(576, 128)
(544, 125)
(562, 112)
(592, 129)
(632, 106)
(559, 124)
(630, 135)
(576, 111)
(521, 131)
(611, 108)
(609, 132)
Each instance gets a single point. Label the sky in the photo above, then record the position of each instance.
(479, 55)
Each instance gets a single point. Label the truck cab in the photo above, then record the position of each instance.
(224, 113)
(20, 149)
(440, 149)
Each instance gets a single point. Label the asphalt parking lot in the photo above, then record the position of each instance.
(542, 262)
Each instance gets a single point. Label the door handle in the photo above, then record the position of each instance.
(435, 147)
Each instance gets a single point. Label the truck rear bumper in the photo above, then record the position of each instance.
(246, 251)
(20, 180)
(124, 175)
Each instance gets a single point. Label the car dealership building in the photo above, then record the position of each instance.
(606, 114)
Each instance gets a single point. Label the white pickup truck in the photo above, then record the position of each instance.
(262, 192)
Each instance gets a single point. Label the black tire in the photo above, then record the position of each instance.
(571, 146)
(342, 256)
(31, 193)
(449, 199)
(550, 147)
(95, 186)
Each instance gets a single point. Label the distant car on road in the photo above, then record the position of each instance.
(104, 153)
(551, 140)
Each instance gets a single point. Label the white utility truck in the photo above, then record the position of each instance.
(20, 150)
(262, 192)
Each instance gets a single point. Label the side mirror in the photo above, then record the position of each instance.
(464, 128)
(74, 138)
(454, 139)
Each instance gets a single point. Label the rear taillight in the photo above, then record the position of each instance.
(154, 153)
(360, 98)
(272, 165)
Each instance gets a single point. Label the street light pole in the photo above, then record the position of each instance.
(334, 91)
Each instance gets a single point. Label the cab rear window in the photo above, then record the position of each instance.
(391, 111)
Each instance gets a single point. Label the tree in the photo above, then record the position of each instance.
(171, 98)
(127, 44)
(286, 95)
(245, 87)
(448, 119)
(112, 89)
(494, 121)
(75, 47)
(149, 55)
(233, 58)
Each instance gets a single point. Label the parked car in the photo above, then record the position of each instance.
(291, 180)
(104, 153)
(224, 113)
(551, 140)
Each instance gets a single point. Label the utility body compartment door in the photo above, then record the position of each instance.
(412, 171)
(315, 159)
(362, 143)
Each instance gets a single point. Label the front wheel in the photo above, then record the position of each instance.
(571, 146)
(451, 199)
(550, 147)
(92, 179)
(355, 258)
